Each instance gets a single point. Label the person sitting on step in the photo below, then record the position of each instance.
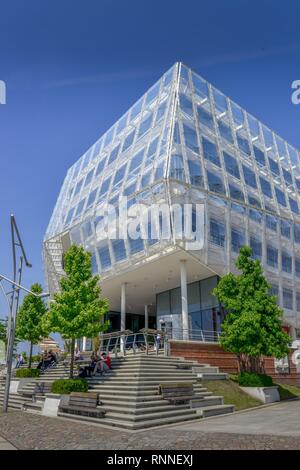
(103, 364)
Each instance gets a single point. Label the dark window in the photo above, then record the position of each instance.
(286, 261)
(104, 257)
(91, 198)
(205, 118)
(297, 233)
(287, 298)
(215, 183)
(236, 193)
(280, 197)
(186, 105)
(243, 144)
(265, 187)
(225, 132)
(128, 141)
(231, 165)
(259, 156)
(190, 138)
(176, 168)
(271, 222)
(217, 233)
(256, 246)
(249, 177)
(237, 240)
(119, 249)
(272, 256)
(195, 173)
(210, 151)
(254, 201)
(297, 267)
(285, 228)
(274, 167)
(255, 215)
(287, 176)
(113, 154)
(294, 205)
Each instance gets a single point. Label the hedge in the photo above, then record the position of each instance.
(66, 386)
(247, 379)
(25, 372)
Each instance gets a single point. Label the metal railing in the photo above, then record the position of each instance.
(127, 342)
(151, 341)
(204, 336)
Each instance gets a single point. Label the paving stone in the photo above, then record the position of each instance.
(40, 432)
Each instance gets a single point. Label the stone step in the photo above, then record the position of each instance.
(212, 400)
(207, 376)
(215, 410)
(132, 388)
(33, 407)
(134, 398)
(205, 370)
(150, 416)
(158, 408)
(136, 381)
(108, 378)
(133, 425)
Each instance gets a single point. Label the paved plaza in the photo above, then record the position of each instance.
(272, 427)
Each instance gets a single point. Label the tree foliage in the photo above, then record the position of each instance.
(252, 327)
(30, 326)
(78, 309)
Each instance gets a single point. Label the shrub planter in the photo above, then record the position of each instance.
(263, 394)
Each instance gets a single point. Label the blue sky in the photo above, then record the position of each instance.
(72, 68)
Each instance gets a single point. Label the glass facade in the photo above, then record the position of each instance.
(204, 311)
(185, 141)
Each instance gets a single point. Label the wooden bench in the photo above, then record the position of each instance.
(83, 404)
(177, 392)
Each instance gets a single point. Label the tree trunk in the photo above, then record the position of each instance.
(253, 364)
(30, 355)
(72, 358)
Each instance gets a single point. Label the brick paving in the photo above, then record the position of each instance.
(30, 431)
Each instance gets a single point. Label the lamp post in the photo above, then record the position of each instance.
(12, 298)
(12, 328)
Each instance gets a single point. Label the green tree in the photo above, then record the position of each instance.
(30, 325)
(253, 325)
(78, 309)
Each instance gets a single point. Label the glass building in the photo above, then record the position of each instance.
(183, 142)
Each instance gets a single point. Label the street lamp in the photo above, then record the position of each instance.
(11, 333)
(13, 302)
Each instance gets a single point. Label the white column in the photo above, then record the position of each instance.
(123, 314)
(84, 343)
(184, 301)
(123, 306)
(146, 317)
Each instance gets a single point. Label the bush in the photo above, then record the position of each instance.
(21, 373)
(247, 379)
(36, 358)
(66, 386)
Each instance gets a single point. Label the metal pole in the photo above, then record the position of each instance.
(10, 348)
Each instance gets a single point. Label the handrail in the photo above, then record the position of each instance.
(152, 340)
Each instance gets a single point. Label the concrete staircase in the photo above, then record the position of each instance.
(129, 393)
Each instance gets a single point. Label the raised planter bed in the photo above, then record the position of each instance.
(263, 394)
